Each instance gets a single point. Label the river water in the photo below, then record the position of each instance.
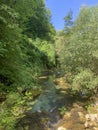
(45, 114)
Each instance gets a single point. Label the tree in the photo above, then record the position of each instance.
(79, 57)
(26, 36)
(68, 22)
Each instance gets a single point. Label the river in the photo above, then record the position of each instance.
(46, 112)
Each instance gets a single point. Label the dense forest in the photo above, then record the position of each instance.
(29, 45)
(26, 48)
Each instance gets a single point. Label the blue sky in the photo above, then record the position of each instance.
(60, 8)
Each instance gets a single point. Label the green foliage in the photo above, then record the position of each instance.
(91, 108)
(68, 22)
(21, 60)
(85, 81)
(48, 51)
(78, 57)
(9, 49)
(6, 116)
(34, 18)
(25, 50)
(62, 110)
(15, 106)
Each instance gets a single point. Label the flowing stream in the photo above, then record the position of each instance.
(45, 114)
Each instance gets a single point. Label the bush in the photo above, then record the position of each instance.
(85, 82)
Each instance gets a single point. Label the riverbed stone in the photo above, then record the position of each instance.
(81, 117)
(61, 128)
(67, 115)
(91, 117)
(95, 128)
(86, 124)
